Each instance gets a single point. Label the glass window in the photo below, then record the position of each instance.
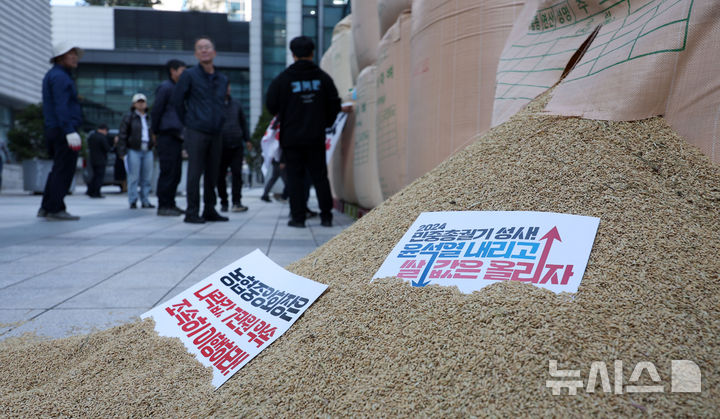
(309, 27)
(331, 16)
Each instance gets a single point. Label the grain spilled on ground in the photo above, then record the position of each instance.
(650, 293)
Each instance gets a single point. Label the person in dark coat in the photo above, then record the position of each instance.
(135, 146)
(4, 156)
(235, 139)
(168, 131)
(198, 99)
(98, 146)
(306, 101)
(62, 116)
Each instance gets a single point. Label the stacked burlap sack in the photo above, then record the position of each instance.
(369, 166)
(459, 67)
(340, 63)
(433, 93)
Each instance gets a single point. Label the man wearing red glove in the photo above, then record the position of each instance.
(63, 117)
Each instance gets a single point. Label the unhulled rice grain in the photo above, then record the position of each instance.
(650, 293)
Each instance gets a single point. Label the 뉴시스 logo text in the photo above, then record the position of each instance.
(685, 377)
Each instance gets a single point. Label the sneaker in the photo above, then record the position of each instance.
(239, 208)
(148, 205)
(310, 213)
(214, 216)
(133, 205)
(298, 224)
(223, 208)
(170, 212)
(61, 216)
(326, 223)
(42, 213)
(180, 210)
(266, 198)
(194, 219)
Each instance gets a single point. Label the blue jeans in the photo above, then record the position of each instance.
(140, 166)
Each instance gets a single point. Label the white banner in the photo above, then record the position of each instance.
(473, 249)
(270, 146)
(231, 316)
(270, 142)
(332, 135)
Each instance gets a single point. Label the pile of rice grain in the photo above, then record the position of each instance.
(650, 293)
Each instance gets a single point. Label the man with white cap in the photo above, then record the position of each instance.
(63, 117)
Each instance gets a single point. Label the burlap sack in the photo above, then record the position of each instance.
(365, 31)
(454, 52)
(389, 11)
(365, 164)
(649, 57)
(393, 84)
(339, 60)
(345, 24)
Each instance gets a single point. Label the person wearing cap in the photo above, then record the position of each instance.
(135, 147)
(199, 100)
(306, 101)
(98, 146)
(168, 131)
(62, 119)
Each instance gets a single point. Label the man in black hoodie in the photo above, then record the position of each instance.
(168, 129)
(235, 141)
(306, 101)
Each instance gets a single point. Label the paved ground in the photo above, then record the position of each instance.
(64, 278)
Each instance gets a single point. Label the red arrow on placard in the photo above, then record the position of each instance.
(551, 236)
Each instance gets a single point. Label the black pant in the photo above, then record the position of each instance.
(311, 161)
(232, 158)
(98, 175)
(203, 160)
(169, 148)
(62, 173)
(277, 172)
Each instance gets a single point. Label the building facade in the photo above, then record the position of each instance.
(125, 51)
(237, 10)
(274, 24)
(25, 57)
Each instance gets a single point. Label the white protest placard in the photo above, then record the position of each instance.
(473, 249)
(332, 135)
(270, 144)
(226, 319)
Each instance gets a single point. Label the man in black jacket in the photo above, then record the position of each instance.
(235, 139)
(168, 130)
(199, 102)
(98, 146)
(306, 101)
(63, 117)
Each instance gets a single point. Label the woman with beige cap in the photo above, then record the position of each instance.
(135, 146)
